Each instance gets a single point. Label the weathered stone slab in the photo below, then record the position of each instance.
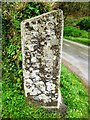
(41, 50)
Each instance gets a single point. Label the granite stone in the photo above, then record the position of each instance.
(41, 50)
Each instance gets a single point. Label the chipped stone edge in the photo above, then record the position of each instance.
(60, 102)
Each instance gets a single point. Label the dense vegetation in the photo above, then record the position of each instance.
(84, 24)
(73, 9)
(76, 35)
(13, 101)
(76, 18)
(77, 30)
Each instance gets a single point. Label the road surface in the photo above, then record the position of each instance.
(75, 57)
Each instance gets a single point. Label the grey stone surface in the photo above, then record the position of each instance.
(41, 50)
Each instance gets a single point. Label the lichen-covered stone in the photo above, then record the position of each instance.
(41, 50)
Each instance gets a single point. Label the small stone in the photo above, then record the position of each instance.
(31, 48)
(37, 78)
(56, 94)
(48, 44)
(32, 87)
(35, 91)
(33, 74)
(49, 89)
(36, 98)
(53, 98)
(26, 74)
(46, 69)
(54, 58)
(42, 43)
(35, 27)
(33, 59)
(28, 61)
(31, 69)
(41, 85)
(53, 91)
(42, 96)
(49, 100)
(29, 81)
(47, 76)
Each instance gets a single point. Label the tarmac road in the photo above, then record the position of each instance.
(75, 57)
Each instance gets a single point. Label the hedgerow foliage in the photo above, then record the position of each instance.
(13, 14)
(75, 32)
(84, 24)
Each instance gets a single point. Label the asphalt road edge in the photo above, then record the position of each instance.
(77, 72)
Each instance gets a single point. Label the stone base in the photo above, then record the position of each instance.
(61, 109)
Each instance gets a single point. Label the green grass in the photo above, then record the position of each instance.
(14, 104)
(73, 32)
(74, 94)
(84, 41)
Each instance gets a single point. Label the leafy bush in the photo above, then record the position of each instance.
(75, 32)
(12, 15)
(84, 24)
(70, 21)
